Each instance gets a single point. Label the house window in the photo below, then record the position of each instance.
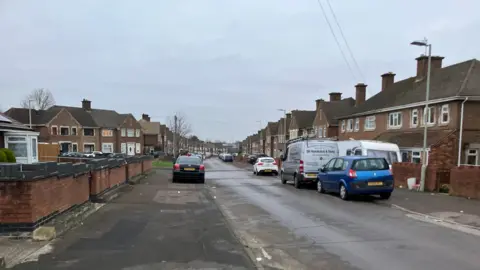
(350, 125)
(357, 124)
(343, 125)
(107, 147)
(34, 148)
(414, 118)
(320, 132)
(74, 131)
(130, 132)
(395, 120)
(445, 114)
(88, 132)
(18, 145)
(137, 133)
(324, 131)
(54, 130)
(138, 149)
(124, 132)
(370, 123)
(472, 157)
(416, 157)
(74, 147)
(64, 131)
(88, 147)
(107, 133)
(430, 116)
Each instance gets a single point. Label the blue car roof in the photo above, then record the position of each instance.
(355, 157)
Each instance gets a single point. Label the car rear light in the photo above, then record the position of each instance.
(300, 168)
(176, 167)
(352, 173)
(202, 168)
(391, 171)
(260, 163)
(274, 163)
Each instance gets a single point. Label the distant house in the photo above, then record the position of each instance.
(301, 124)
(271, 138)
(152, 137)
(325, 121)
(396, 114)
(19, 138)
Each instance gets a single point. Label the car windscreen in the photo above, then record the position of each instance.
(188, 160)
(267, 160)
(370, 164)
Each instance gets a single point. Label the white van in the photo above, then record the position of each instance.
(304, 157)
(389, 151)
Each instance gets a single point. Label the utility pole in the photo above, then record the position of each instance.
(175, 136)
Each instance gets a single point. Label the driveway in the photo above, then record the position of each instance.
(286, 228)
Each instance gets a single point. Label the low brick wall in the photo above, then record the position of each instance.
(28, 201)
(106, 178)
(465, 181)
(134, 169)
(147, 165)
(404, 170)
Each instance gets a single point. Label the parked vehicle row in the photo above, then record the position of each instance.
(226, 157)
(253, 158)
(188, 168)
(265, 165)
(346, 167)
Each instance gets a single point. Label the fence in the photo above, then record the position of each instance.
(32, 194)
(48, 152)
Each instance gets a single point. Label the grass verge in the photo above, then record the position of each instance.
(162, 164)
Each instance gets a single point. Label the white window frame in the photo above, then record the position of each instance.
(137, 133)
(130, 132)
(320, 132)
(83, 131)
(107, 129)
(426, 116)
(356, 126)
(414, 115)
(60, 130)
(445, 110)
(76, 144)
(123, 132)
(138, 148)
(342, 128)
(396, 117)
(19, 140)
(111, 146)
(349, 125)
(471, 153)
(88, 143)
(324, 131)
(72, 129)
(51, 130)
(369, 120)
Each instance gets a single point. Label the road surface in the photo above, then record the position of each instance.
(287, 228)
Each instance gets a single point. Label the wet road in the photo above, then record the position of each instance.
(286, 228)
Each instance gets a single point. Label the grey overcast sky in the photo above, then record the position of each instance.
(224, 64)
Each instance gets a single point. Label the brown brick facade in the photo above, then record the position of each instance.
(465, 182)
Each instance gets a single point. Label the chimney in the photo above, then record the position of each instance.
(318, 102)
(86, 105)
(422, 65)
(335, 96)
(289, 115)
(387, 80)
(146, 117)
(360, 93)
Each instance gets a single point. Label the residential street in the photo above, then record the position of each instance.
(160, 225)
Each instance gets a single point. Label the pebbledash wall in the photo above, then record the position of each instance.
(31, 200)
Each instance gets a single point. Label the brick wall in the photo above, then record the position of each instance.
(107, 178)
(403, 171)
(465, 181)
(146, 165)
(444, 153)
(29, 201)
(134, 169)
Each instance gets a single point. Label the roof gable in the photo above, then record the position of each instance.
(302, 119)
(39, 117)
(150, 128)
(82, 116)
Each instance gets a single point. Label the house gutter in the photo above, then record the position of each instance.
(461, 133)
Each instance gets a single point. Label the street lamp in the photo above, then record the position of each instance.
(424, 43)
(30, 112)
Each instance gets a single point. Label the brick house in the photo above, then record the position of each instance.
(72, 130)
(271, 138)
(256, 143)
(301, 124)
(325, 122)
(152, 138)
(262, 137)
(163, 137)
(19, 138)
(396, 114)
(283, 126)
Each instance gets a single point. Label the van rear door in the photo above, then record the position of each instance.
(317, 154)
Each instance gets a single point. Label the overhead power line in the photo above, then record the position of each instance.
(336, 40)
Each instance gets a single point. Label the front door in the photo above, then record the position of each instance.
(131, 149)
(65, 147)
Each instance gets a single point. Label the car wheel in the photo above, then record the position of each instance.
(385, 196)
(282, 178)
(320, 187)
(296, 182)
(202, 180)
(343, 192)
(174, 180)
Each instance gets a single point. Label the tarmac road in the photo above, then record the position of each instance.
(286, 228)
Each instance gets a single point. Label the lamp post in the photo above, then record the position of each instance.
(30, 112)
(424, 43)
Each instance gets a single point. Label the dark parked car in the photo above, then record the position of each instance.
(253, 158)
(188, 168)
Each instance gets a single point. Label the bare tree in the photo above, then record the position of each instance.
(180, 128)
(39, 99)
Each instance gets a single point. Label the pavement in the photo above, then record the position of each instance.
(239, 220)
(155, 225)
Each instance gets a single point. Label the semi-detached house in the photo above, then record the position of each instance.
(397, 114)
(301, 124)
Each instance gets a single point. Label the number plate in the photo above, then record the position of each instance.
(189, 169)
(375, 184)
(311, 175)
(268, 170)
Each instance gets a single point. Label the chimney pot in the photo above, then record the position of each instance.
(318, 102)
(335, 96)
(360, 93)
(146, 117)
(422, 65)
(387, 80)
(86, 104)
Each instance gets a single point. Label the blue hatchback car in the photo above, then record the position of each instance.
(356, 175)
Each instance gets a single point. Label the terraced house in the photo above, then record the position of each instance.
(397, 114)
(152, 138)
(301, 124)
(325, 122)
(283, 131)
(271, 138)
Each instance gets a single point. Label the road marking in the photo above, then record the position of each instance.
(265, 254)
